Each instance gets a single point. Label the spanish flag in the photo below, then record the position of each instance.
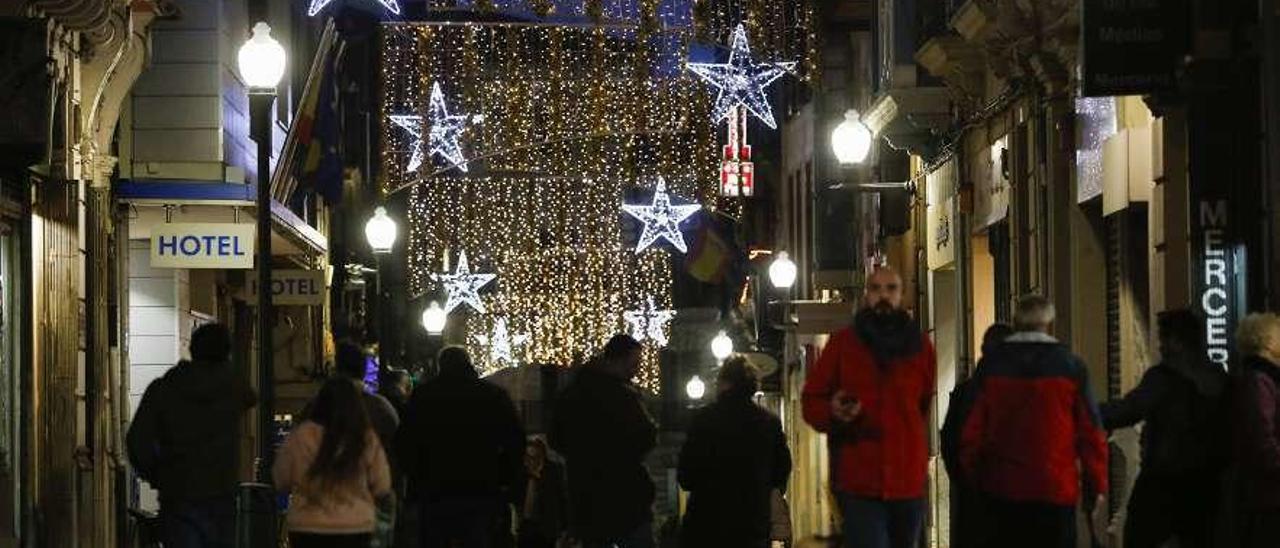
(713, 253)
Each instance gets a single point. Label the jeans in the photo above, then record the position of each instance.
(199, 523)
(316, 540)
(876, 523)
(469, 522)
(641, 537)
(1017, 524)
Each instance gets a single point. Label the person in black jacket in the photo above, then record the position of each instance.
(735, 455)
(183, 440)
(462, 446)
(967, 509)
(603, 431)
(1181, 403)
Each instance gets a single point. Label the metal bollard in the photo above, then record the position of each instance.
(256, 516)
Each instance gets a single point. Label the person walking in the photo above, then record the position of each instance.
(352, 362)
(544, 514)
(1032, 420)
(966, 508)
(1257, 420)
(184, 441)
(397, 389)
(602, 429)
(870, 391)
(334, 467)
(734, 459)
(1181, 405)
(462, 446)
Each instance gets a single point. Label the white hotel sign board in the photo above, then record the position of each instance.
(202, 245)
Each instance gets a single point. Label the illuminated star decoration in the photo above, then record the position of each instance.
(649, 323)
(741, 81)
(661, 219)
(463, 286)
(318, 5)
(443, 137)
(502, 343)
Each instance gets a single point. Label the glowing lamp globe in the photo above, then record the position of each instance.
(782, 272)
(695, 388)
(851, 140)
(262, 59)
(434, 318)
(721, 346)
(380, 231)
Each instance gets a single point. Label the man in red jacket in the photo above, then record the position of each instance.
(1032, 421)
(870, 392)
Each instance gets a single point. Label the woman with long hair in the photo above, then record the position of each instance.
(335, 468)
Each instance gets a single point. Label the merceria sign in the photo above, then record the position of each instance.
(202, 245)
(290, 287)
(1216, 292)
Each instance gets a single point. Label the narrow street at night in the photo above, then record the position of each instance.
(639, 274)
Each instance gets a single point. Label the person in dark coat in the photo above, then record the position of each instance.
(967, 507)
(603, 431)
(397, 389)
(735, 455)
(462, 446)
(353, 363)
(1180, 403)
(544, 515)
(1257, 420)
(184, 441)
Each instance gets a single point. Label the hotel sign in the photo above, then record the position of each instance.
(202, 245)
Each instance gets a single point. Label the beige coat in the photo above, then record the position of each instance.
(341, 508)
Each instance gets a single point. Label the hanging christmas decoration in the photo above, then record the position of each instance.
(318, 5)
(741, 80)
(661, 219)
(502, 344)
(445, 129)
(463, 286)
(737, 172)
(649, 323)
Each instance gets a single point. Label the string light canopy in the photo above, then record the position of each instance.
(317, 6)
(463, 287)
(741, 80)
(661, 219)
(443, 134)
(649, 323)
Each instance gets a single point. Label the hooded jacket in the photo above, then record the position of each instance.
(184, 437)
(1032, 420)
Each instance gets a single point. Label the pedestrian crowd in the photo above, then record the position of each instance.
(448, 462)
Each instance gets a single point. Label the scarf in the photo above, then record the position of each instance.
(890, 335)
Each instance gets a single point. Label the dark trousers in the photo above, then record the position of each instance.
(640, 537)
(1164, 507)
(1259, 528)
(199, 523)
(316, 540)
(468, 522)
(1017, 524)
(877, 523)
(968, 512)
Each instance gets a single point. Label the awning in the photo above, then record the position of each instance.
(215, 202)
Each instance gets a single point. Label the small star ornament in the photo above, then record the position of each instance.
(318, 5)
(661, 219)
(462, 286)
(502, 344)
(741, 80)
(443, 132)
(649, 323)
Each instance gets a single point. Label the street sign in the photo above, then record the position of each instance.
(289, 287)
(202, 245)
(1132, 47)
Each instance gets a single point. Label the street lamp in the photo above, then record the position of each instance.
(721, 346)
(851, 140)
(262, 62)
(434, 318)
(695, 388)
(380, 231)
(782, 272)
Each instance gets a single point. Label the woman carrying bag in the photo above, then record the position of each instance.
(335, 469)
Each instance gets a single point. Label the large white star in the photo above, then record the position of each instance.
(741, 81)
(649, 323)
(317, 5)
(443, 136)
(502, 343)
(463, 286)
(661, 219)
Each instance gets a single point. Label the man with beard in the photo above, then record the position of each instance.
(870, 391)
